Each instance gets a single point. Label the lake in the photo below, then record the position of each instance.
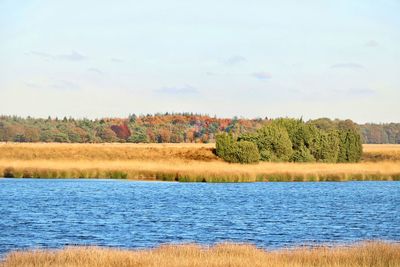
(46, 213)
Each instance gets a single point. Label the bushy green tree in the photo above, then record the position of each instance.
(296, 129)
(273, 143)
(324, 124)
(328, 146)
(246, 152)
(231, 150)
(293, 140)
(350, 146)
(303, 137)
(223, 144)
(302, 154)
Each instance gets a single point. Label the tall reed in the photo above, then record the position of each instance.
(377, 254)
(175, 162)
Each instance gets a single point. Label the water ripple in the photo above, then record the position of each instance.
(38, 213)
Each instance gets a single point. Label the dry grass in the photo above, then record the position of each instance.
(112, 151)
(177, 162)
(366, 254)
(381, 152)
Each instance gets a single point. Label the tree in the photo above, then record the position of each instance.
(138, 135)
(223, 144)
(122, 131)
(32, 134)
(324, 124)
(185, 127)
(164, 136)
(350, 146)
(302, 154)
(328, 146)
(303, 137)
(236, 151)
(273, 143)
(107, 135)
(244, 152)
(189, 136)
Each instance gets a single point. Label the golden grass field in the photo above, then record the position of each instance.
(377, 254)
(181, 162)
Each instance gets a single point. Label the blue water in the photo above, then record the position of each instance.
(41, 213)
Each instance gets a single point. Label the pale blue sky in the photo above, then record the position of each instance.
(337, 59)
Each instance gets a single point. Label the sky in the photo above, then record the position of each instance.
(254, 58)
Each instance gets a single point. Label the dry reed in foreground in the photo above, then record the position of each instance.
(365, 254)
(178, 162)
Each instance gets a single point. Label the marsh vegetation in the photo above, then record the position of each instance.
(376, 254)
(181, 162)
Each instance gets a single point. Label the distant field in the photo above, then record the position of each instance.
(181, 162)
(361, 255)
(381, 152)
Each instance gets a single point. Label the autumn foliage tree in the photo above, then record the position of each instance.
(189, 128)
(122, 131)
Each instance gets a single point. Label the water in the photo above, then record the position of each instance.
(39, 213)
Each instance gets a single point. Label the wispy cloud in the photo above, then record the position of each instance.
(354, 93)
(348, 65)
(184, 90)
(42, 55)
(234, 60)
(361, 92)
(261, 75)
(372, 43)
(210, 73)
(73, 56)
(95, 70)
(65, 85)
(116, 60)
(32, 85)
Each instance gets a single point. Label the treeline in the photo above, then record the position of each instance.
(292, 140)
(388, 133)
(159, 128)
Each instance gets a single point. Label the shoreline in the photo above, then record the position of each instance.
(370, 253)
(182, 163)
(200, 171)
(377, 179)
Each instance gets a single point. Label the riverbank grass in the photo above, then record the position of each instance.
(195, 176)
(180, 163)
(378, 254)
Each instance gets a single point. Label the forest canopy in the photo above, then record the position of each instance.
(165, 128)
